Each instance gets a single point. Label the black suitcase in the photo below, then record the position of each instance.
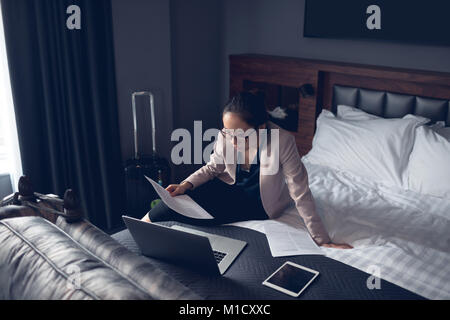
(139, 192)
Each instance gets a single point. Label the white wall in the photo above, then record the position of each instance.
(171, 47)
(276, 28)
(142, 42)
(180, 49)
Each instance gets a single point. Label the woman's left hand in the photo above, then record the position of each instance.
(336, 245)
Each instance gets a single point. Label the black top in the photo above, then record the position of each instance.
(249, 180)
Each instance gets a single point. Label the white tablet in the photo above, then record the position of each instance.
(291, 278)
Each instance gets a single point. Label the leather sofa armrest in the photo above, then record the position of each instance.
(158, 283)
(39, 260)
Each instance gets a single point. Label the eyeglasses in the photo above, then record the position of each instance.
(237, 134)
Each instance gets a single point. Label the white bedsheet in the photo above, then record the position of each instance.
(404, 234)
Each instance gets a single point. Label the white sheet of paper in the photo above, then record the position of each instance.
(183, 204)
(285, 240)
(287, 235)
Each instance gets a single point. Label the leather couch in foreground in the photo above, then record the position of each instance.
(45, 257)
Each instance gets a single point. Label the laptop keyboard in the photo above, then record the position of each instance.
(219, 256)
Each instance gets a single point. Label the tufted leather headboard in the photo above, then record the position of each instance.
(391, 105)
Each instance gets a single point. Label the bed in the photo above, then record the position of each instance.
(400, 231)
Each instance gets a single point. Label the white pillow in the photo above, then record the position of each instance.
(444, 132)
(376, 149)
(439, 128)
(438, 125)
(429, 164)
(351, 113)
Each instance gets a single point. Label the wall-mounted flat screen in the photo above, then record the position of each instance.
(426, 22)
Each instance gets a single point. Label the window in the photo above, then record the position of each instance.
(9, 147)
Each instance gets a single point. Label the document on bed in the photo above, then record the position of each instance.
(285, 240)
(183, 204)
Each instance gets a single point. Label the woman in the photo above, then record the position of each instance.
(245, 189)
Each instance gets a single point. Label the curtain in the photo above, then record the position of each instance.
(9, 145)
(64, 94)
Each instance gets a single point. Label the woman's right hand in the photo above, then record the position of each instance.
(337, 245)
(178, 189)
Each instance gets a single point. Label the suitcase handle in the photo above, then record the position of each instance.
(152, 115)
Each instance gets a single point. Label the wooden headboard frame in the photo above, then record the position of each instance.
(323, 75)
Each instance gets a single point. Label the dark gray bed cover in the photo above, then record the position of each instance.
(244, 277)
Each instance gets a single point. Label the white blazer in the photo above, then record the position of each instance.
(283, 179)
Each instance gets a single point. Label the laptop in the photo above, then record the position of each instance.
(201, 251)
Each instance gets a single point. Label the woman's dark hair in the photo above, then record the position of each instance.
(249, 106)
